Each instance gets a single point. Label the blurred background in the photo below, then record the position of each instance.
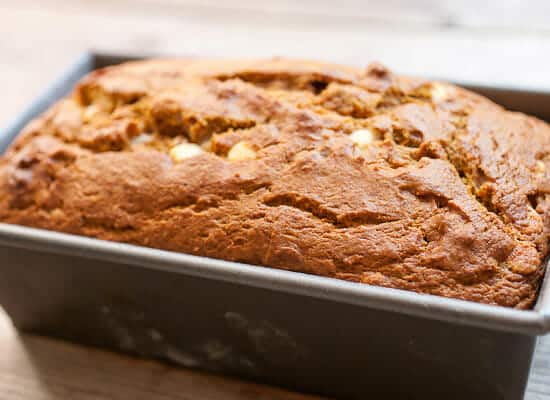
(503, 42)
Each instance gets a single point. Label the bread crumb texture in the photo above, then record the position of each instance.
(350, 173)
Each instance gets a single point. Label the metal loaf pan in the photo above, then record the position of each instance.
(299, 331)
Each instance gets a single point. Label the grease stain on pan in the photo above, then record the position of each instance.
(269, 342)
(179, 357)
(246, 345)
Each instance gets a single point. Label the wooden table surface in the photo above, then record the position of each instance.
(499, 42)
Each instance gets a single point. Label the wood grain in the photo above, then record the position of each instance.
(499, 42)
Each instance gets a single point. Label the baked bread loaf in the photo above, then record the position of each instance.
(350, 173)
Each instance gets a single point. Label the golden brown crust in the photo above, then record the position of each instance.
(330, 170)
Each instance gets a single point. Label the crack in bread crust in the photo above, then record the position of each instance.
(357, 174)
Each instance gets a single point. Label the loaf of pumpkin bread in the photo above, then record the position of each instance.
(349, 173)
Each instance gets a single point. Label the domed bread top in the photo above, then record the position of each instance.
(350, 173)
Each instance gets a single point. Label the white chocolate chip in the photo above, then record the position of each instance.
(241, 151)
(540, 167)
(142, 139)
(90, 112)
(362, 137)
(439, 93)
(184, 151)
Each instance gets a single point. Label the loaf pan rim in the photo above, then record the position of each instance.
(531, 322)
